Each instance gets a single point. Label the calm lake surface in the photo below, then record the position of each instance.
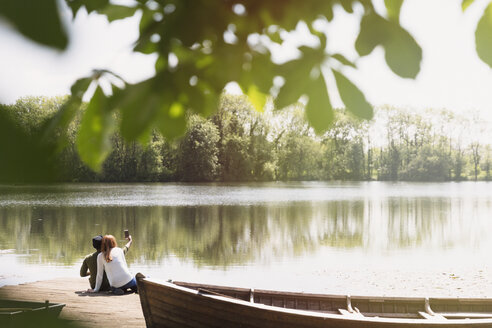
(358, 238)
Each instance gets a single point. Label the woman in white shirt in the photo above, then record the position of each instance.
(112, 261)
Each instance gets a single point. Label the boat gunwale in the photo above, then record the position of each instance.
(322, 315)
(40, 306)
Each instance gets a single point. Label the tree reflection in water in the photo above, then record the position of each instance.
(225, 235)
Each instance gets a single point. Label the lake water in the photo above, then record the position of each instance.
(358, 238)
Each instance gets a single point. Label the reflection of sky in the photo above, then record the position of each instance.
(13, 271)
(331, 272)
(230, 194)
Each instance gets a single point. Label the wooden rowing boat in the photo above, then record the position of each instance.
(28, 314)
(181, 304)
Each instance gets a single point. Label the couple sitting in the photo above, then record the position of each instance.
(107, 267)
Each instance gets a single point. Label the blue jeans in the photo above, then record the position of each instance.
(132, 285)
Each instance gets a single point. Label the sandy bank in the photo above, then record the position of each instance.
(91, 310)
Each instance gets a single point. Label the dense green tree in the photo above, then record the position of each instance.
(427, 165)
(459, 162)
(274, 145)
(298, 158)
(232, 120)
(197, 157)
(169, 153)
(475, 156)
(487, 162)
(261, 149)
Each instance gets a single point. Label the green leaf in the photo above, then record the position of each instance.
(347, 6)
(257, 98)
(37, 20)
(262, 72)
(372, 33)
(296, 75)
(67, 112)
(96, 128)
(465, 4)
(483, 36)
(352, 97)
(202, 99)
(275, 37)
(90, 5)
(171, 120)
(343, 60)
(61, 120)
(80, 86)
(393, 8)
(402, 53)
(329, 13)
(115, 12)
(319, 111)
(139, 106)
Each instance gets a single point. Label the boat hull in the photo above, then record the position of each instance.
(166, 304)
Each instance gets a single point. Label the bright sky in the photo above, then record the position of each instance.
(451, 75)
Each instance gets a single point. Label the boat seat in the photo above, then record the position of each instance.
(350, 314)
(432, 317)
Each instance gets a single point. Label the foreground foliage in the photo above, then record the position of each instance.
(202, 46)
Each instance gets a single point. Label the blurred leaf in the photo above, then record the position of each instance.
(483, 36)
(37, 20)
(372, 33)
(90, 5)
(296, 75)
(393, 8)
(347, 6)
(465, 4)
(115, 12)
(148, 26)
(171, 120)
(320, 35)
(262, 72)
(160, 64)
(318, 110)
(80, 86)
(402, 53)
(343, 60)
(352, 97)
(329, 13)
(257, 98)
(202, 99)
(139, 106)
(61, 120)
(96, 128)
(275, 37)
(68, 110)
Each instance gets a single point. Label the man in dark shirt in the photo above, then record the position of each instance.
(89, 265)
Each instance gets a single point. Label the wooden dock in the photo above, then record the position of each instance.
(91, 310)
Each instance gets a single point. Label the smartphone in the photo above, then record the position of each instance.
(127, 234)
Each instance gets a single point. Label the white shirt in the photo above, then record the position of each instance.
(117, 270)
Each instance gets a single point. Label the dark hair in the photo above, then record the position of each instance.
(96, 242)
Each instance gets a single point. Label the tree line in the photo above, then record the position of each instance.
(238, 143)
